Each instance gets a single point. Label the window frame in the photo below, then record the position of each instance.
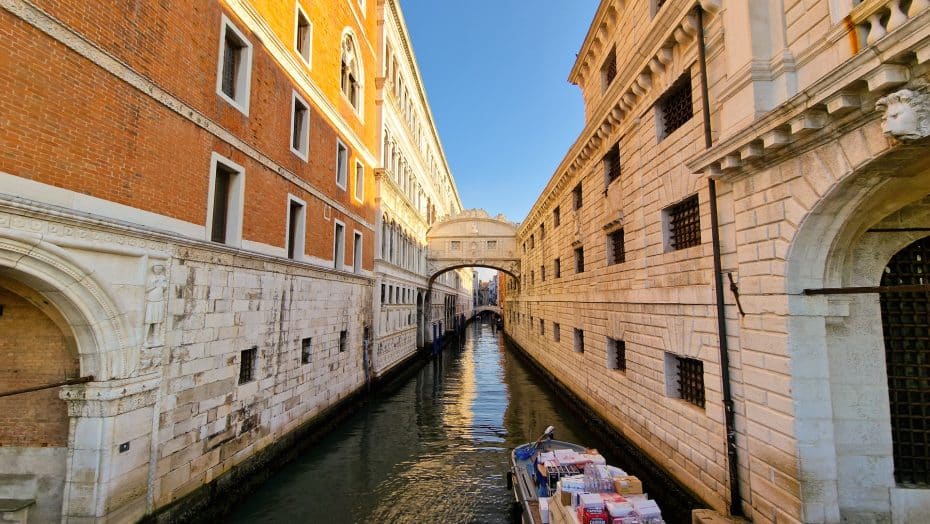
(616, 354)
(304, 151)
(342, 147)
(579, 259)
(308, 39)
(612, 257)
(577, 197)
(306, 350)
(248, 374)
(358, 245)
(578, 340)
(359, 170)
(244, 68)
(668, 222)
(339, 262)
(300, 236)
(235, 201)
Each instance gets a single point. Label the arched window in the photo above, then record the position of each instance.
(350, 79)
(384, 237)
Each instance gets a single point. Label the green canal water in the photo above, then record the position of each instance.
(434, 447)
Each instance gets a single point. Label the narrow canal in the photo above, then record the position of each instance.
(433, 447)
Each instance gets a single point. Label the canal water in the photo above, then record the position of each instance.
(432, 448)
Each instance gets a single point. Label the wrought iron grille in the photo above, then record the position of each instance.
(610, 68)
(306, 349)
(684, 224)
(579, 260)
(906, 327)
(617, 254)
(691, 380)
(677, 106)
(232, 54)
(618, 354)
(577, 198)
(612, 164)
(557, 267)
(343, 340)
(247, 365)
(556, 216)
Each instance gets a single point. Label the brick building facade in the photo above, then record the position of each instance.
(781, 166)
(188, 215)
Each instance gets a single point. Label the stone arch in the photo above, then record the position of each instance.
(835, 342)
(101, 335)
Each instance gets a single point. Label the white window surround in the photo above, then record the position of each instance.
(342, 167)
(307, 55)
(304, 151)
(300, 236)
(244, 76)
(236, 200)
(357, 247)
(359, 181)
(339, 248)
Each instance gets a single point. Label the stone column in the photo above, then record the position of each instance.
(109, 445)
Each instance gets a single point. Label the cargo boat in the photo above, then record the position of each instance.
(556, 482)
(523, 479)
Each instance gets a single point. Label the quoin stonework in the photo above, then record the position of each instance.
(192, 207)
(736, 245)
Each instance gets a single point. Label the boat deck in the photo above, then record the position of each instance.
(525, 489)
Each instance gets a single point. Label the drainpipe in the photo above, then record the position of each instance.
(736, 506)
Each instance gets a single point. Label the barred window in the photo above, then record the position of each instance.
(615, 251)
(609, 69)
(616, 354)
(579, 260)
(557, 267)
(579, 341)
(556, 332)
(247, 364)
(675, 107)
(343, 340)
(542, 327)
(305, 349)
(532, 241)
(576, 197)
(556, 216)
(542, 232)
(691, 380)
(684, 224)
(612, 164)
(542, 272)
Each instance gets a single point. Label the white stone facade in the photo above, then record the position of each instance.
(415, 189)
(810, 194)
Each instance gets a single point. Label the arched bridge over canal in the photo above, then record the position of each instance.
(472, 238)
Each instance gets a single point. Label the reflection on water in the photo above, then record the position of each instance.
(433, 449)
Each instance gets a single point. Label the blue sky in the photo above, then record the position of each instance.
(496, 75)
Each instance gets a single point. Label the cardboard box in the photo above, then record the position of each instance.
(628, 485)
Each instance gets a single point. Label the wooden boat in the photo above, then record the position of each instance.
(528, 485)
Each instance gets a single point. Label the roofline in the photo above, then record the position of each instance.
(586, 43)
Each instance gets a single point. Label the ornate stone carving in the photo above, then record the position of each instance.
(906, 114)
(155, 306)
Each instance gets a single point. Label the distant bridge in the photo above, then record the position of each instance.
(481, 309)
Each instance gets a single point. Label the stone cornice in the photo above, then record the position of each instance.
(401, 25)
(830, 100)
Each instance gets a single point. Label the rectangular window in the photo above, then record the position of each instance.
(306, 346)
(542, 273)
(296, 228)
(579, 341)
(339, 243)
(492, 245)
(343, 340)
(234, 67)
(616, 354)
(615, 251)
(359, 181)
(611, 163)
(383, 292)
(303, 36)
(357, 253)
(579, 260)
(683, 221)
(556, 332)
(542, 232)
(675, 107)
(542, 327)
(342, 165)
(247, 364)
(224, 207)
(300, 126)
(687, 379)
(577, 201)
(609, 69)
(557, 267)
(532, 277)
(455, 245)
(532, 241)
(556, 216)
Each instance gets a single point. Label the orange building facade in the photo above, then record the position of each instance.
(187, 223)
